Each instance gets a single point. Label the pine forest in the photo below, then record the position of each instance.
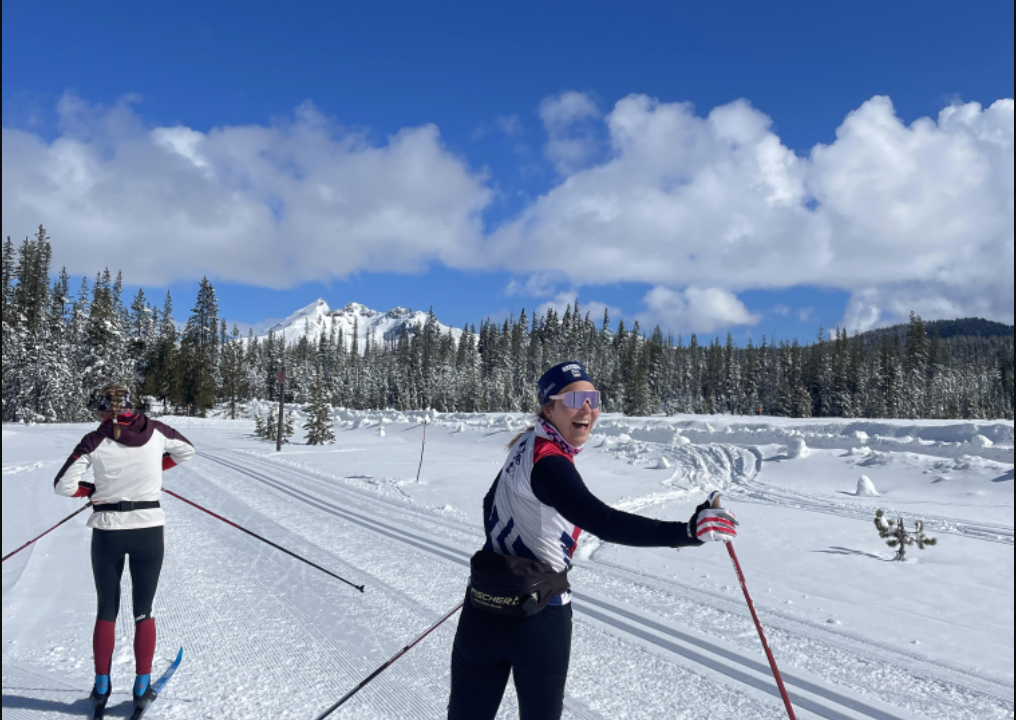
(61, 343)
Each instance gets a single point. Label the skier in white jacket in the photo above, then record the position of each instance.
(128, 454)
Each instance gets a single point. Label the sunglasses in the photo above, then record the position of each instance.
(575, 400)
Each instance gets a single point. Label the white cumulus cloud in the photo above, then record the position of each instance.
(275, 206)
(894, 214)
(695, 310)
(697, 208)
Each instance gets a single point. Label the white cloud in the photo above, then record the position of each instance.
(719, 202)
(572, 140)
(704, 310)
(296, 201)
(536, 285)
(903, 218)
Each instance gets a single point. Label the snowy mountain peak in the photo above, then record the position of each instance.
(318, 319)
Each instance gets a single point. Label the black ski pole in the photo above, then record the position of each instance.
(62, 522)
(387, 665)
(291, 554)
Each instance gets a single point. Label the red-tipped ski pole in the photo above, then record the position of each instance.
(388, 664)
(266, 542)
(758, 624)
(62, 522)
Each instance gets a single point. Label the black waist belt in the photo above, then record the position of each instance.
(125, 507)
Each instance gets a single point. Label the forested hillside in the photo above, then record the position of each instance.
(59, 345)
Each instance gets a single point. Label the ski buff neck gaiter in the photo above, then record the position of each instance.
(555, 437)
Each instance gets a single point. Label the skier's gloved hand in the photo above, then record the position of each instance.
(84, 491)
(713, 524)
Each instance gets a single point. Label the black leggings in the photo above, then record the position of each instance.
(110, 549)
(489, 648)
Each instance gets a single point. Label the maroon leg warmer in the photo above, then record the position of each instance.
(144, 646)
(103, 644)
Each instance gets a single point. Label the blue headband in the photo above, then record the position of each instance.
(560, 377)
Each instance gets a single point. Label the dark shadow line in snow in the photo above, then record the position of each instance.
(849, 552)
(78, 707)
(496, 432)
(777, 459)
(1005, 478)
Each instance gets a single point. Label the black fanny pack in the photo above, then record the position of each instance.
(125, 507)
(512, 586)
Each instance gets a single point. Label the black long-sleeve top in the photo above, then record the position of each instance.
(557, 483)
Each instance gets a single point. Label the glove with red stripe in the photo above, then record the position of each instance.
(712, 523)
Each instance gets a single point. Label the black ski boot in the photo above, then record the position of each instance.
(99, 703)
(141, 703)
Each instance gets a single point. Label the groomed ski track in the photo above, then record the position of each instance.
(295, 640)
(716, 660)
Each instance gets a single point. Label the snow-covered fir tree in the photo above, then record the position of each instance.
(319, 426)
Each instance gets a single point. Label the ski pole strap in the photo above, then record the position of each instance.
(32, 542)
(126, 506)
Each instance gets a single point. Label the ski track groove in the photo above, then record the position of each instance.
(652, 632)
(399, 701)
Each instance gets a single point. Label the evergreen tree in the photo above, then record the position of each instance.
(319, 426)
(199, 351)
(235, 385)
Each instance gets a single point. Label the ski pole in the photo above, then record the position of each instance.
(291, 554)
(758, 623)
(387, 665)
(62, 522)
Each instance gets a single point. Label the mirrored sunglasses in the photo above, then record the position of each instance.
(575, 400)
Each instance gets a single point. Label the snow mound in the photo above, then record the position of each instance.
(663, 464)
(866, 488)
(979, 441)
(797, 448)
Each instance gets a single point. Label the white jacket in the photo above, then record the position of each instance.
(126, 470)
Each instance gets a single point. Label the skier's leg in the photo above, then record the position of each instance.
(108, 556)
(146, 555)
(480, 670)
(540, 659)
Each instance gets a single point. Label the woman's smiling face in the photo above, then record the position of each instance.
(575, 426)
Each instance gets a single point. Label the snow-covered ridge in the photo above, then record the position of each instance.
(354, 320)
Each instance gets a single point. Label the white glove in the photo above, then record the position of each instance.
(714, 524)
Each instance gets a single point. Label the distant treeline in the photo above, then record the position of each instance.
(59, 346)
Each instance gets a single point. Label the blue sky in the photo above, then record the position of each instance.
(525, 101)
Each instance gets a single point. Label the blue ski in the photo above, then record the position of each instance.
(159, 685)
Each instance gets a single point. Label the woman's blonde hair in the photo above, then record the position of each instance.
(118, 398)
(541, 415)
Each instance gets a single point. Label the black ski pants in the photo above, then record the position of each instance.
(110, 550)
(488, 649)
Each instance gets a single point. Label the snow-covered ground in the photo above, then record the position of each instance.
(659, 633)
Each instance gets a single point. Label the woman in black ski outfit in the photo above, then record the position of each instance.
(535, 512)
(128, 453)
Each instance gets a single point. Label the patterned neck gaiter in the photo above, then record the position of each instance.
(554, 436)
